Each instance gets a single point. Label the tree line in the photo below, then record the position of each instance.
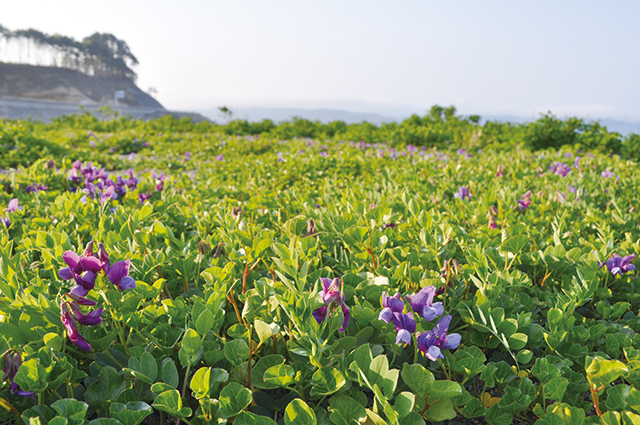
(97, 54)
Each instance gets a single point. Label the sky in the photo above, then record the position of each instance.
(573, 58)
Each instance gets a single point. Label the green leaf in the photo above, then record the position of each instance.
(160, 387)
(327, 381)
(497, 416)
(441, 410)
(264, 331)
(205, 322)
(380, 374)
(514, 244)
(258, 370)
(550, 419)
(544, 371)
(346, 411)
(72, 410)
(131, 413)
(601, 372)
(569, 415)
(171, 403)
(234, 398)
(200, 383)
(404, 403)
(555, 389)
(105, 421)
(148, 366)
(473, 409)
(611, 418)
(53, 340)
(280, 375)
(248, 418)
(518, 341)
(442, 390)
(191, 342)
(524, 356)
(417, 378)
(32, 376)
(169, 373)
(108, 388)
(236, 351)
(298, 413)
(413, 418)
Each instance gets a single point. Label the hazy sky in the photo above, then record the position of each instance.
(391, 57)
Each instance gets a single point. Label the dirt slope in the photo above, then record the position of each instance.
(67, 85)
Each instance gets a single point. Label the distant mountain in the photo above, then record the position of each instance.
(325, 115)
(254, 114)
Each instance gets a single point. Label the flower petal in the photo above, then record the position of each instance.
(386, 315)
(403, 336)
(126, 282)
(91, 263)
(452, 341)
(66, 273)
(434, 353)
(71, 258)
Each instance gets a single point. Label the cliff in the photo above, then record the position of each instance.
(67, 85)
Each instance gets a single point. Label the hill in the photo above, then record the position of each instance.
(68, 85)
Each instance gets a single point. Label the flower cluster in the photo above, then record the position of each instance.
(333, 297)
(431, 343)
(12, 207)
(524, 201)
(463, 193)
(97, 183)
(493, 212)
(84, 270)
(619, 265)
(36, 188)
(12, 362)
(560, 169)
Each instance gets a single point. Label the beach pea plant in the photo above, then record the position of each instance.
(439, 271)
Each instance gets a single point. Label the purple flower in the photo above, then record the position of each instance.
(331, 290)
(13, 205)
(404, 324)
(142, 197)
(104, 258)
(431, 343)
(332, 297)
(12, 363)
(524, 201)
(119, 275)
(69, 323)
(132, 156)
(78, 294)
(607, 174)
(220, 157)
(390, 306)
(90, 319)
(187, 155)
(422, 303)
(619, 265)
(560, 168)
(112, 149)
(35, 188)
(463, 193)
(492, 222)
(159, 180)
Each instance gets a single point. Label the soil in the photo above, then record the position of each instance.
(67, 85)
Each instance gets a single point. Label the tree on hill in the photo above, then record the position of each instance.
(97, 54)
